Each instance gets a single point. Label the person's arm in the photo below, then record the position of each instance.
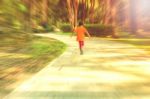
(87, 33)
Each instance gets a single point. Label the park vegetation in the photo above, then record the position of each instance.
(48, 15)
(23, 54)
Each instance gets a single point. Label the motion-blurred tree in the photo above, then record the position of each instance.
(27, 14)
(133, 16)
(72, 6)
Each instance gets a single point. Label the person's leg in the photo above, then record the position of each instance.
(81, 44)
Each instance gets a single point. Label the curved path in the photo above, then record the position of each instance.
(107, 70)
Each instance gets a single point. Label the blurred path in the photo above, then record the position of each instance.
(107, 70)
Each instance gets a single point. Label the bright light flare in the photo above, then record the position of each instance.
(144, 5)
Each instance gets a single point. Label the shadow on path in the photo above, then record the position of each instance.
(107, 70)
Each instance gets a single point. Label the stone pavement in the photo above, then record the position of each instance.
(107, 70)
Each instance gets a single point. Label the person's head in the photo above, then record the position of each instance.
(81, 23)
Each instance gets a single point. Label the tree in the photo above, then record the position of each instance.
(91, 14)
(72, 6)
(44, 12)
(133, 15)
(83, 10)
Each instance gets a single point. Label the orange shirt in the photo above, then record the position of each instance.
(80, 33)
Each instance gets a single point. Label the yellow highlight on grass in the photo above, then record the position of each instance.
(14, 55)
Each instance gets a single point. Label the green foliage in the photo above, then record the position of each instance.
(40, 29)
(57, 11)
(42, 47)
(66, 27)
(94, 29)
(11, 14)
(99, 29)
(22, 7)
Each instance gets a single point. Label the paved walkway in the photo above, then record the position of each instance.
(107, 70)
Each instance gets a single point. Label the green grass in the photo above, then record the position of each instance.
(138, 41)
(141, 43)
(64, 33)
(22, 55)
(45, 46)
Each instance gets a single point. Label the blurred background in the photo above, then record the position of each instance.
(22, 54)
(46, 15)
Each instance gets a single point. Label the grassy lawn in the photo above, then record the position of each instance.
(142, 43)
(65, 33)
(22, 55)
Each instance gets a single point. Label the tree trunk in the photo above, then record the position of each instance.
(70, 12)
(44, 12)
(76, 4)
(27, 16)
(91, 17)
(113, 6)
(133, 16)
(72, 6)
(83, 16)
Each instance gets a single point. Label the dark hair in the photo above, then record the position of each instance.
(80, 23)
